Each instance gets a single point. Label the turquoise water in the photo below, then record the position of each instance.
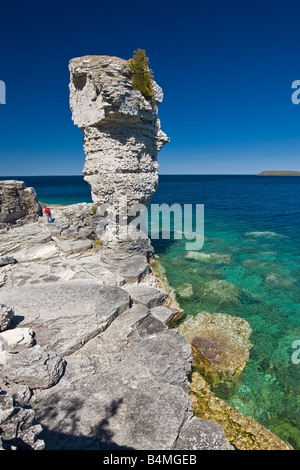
(262, 270)
(260, 274)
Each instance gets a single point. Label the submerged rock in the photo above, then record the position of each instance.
(243, 432)
(209, 258)
(220, 291)
(220, 345)
(266, 234)
(185, 291)
(279, 281)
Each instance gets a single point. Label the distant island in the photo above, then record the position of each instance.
(279, 173)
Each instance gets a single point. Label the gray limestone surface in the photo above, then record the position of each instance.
(104, 370)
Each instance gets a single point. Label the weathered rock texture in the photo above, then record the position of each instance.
(14, 341)
(17, 202)
(220, 345)
(122, 134)
(6, 316)
(34, 367)
(18, 429)
(104, 370)
(122, 137)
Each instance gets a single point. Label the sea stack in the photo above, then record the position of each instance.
(122, 137)
(122, 133)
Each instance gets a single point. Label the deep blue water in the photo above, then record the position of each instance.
(275, 200)
(255, 221)
(57, 189)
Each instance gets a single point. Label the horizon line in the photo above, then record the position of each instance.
(162, 174)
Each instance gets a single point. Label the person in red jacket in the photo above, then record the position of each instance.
(48, 214)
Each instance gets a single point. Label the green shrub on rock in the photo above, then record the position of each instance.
(142, 75)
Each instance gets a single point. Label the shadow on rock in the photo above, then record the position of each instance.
(100, 438)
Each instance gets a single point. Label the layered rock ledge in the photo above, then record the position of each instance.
(101, 369)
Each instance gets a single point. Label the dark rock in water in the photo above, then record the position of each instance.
(18, 202)
(219, 357)
(220, 345)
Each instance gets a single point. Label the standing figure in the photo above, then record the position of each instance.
(48, 214)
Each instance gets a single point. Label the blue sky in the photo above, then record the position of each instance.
(226, 68)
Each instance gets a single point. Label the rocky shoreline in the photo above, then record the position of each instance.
(97, 359)
(91, 353)
(220, 346)
(101, 370)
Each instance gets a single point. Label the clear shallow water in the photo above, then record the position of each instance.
(263, 267)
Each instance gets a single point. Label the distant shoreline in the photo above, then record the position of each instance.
(279, 173)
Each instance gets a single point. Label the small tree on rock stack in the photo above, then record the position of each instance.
(142, 75)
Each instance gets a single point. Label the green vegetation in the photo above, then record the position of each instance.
(94, 209)
(142, 75)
